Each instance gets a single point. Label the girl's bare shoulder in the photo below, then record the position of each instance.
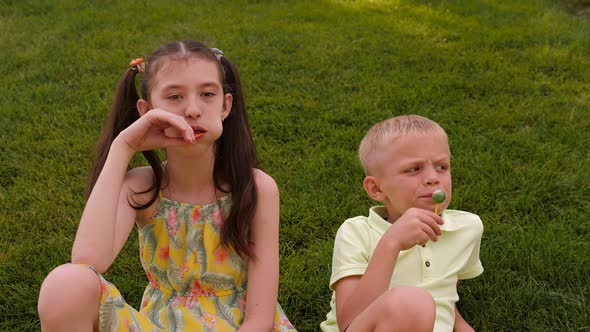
(264, 182)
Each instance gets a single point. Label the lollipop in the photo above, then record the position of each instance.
(438, 197)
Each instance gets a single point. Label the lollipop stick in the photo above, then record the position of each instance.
(436, 208)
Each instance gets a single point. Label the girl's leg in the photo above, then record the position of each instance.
(69, 299)
(398, 309)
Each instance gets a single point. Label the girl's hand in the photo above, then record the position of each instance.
(149, 131)
(415, 226)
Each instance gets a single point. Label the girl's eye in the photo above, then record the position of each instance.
(208, 94)
(174, 97)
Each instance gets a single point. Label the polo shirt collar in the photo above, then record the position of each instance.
(376, 219)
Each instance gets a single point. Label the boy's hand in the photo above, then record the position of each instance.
(415, 226)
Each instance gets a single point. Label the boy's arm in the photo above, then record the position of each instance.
(461, 324)
(355, 293)
(473, 268)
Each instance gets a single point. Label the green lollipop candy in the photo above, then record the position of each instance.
(438, 197)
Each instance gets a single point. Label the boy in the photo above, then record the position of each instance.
(398, 268)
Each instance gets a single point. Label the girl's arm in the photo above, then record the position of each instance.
(263, 268)
(108, 217)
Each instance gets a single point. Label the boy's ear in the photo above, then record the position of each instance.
(142, 106)
(371, 185)
(228, 99)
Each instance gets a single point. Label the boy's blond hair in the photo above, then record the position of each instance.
(388, 131)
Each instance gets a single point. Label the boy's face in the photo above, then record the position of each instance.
(409, 170)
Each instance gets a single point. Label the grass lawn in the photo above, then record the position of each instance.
(509, 80)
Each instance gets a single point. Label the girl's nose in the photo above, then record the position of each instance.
(193, 110)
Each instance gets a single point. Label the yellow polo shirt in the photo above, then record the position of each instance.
(435, 267)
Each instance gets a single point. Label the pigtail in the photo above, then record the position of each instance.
(234, 163)
(123, 113)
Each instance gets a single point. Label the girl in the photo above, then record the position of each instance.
(207, 218)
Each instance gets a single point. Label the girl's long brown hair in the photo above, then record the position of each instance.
(235, 153)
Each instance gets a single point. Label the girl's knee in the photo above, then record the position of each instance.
(67, 289)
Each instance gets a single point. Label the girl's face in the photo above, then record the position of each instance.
(192, 89)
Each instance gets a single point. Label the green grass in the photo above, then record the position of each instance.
(509, 80)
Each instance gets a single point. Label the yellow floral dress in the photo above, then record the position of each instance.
(195, 284)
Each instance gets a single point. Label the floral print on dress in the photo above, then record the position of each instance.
(194, 283)
(220, 255)
(172, 224)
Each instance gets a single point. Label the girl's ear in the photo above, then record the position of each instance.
(371, 185)
(227, 103)
(142, 107)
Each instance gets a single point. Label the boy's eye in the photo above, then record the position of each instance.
(174, 97)
(412, 169)
(442, 167)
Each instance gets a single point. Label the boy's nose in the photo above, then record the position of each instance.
(432, 181)
(431, 178)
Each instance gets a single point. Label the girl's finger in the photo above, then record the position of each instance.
(174, 141)
(164, 120)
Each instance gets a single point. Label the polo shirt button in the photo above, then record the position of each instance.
(427, 264)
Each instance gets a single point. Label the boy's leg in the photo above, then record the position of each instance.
(398, 309)
(69, 299)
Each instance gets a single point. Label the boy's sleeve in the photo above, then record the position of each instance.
(351, 252)
(473, 267)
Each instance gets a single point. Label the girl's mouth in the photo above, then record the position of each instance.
(199, 133)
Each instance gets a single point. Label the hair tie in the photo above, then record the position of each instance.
(138, 64)
(218, 53)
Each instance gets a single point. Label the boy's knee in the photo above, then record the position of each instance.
(410, 308)
(66, 289)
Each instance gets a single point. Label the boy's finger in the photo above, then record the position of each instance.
(432, 223)
(438, 219)
(430, 232)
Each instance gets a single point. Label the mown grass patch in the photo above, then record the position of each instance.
(508, 80)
